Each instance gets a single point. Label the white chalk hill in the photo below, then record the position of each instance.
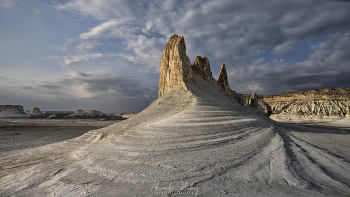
(192, 141)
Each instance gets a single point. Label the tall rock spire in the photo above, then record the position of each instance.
(175, 66)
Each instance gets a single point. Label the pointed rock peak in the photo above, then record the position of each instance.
(201, 67)
(253, 100)
(222, 79)
(175, 66)
(177, 40)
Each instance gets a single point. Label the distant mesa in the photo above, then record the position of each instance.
(7, 111)
(35, 110)
(308, 104)
(79, 114)
(17, 111)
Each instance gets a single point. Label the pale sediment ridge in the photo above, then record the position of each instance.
(194, 142)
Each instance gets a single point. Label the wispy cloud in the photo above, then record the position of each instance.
(69, 61)
(104, 9)
(87, 45)
(8, 4)
(65, 44)
(106, 29)
(51, 57)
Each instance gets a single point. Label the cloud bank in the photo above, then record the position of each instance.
(252, 38)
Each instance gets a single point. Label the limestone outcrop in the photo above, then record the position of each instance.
(318, 102)
(253, 100)
(35, 110)
(223, 80)
(11, 111)
(176, 70)
(201, 67)
(175, 66)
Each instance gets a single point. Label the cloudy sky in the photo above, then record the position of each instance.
(105, 54)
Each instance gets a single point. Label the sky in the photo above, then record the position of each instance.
(105, 54)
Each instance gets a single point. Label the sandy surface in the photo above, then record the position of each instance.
(197, 142)
(18, 134)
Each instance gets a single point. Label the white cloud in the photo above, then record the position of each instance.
(51, 57)
(8, 4)
(283, 48)
(87, 45)
(147, 51)
(105, 29)
(65, 44)
(84, 58)
(104, 9)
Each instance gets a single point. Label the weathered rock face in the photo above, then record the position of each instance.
(175, 66)
(253, 101)
(223, 80)
(201, 67)
(11, 111)
(18, 108)
(319, 102)
(35, 110)
(176, 69)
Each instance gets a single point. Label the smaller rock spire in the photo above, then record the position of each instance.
(201, 66)
(222, 79)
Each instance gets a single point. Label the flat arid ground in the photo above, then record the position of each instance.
(18, 134)
(194, 142)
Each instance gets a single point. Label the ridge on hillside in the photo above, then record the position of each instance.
(314, 93)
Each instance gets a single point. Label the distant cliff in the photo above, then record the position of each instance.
(11, 111)
(318, 102)
(79, 114)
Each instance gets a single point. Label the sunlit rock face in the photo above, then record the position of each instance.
(175, 66)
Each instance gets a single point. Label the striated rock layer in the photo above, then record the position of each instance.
(192, 141)
(309, 103)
